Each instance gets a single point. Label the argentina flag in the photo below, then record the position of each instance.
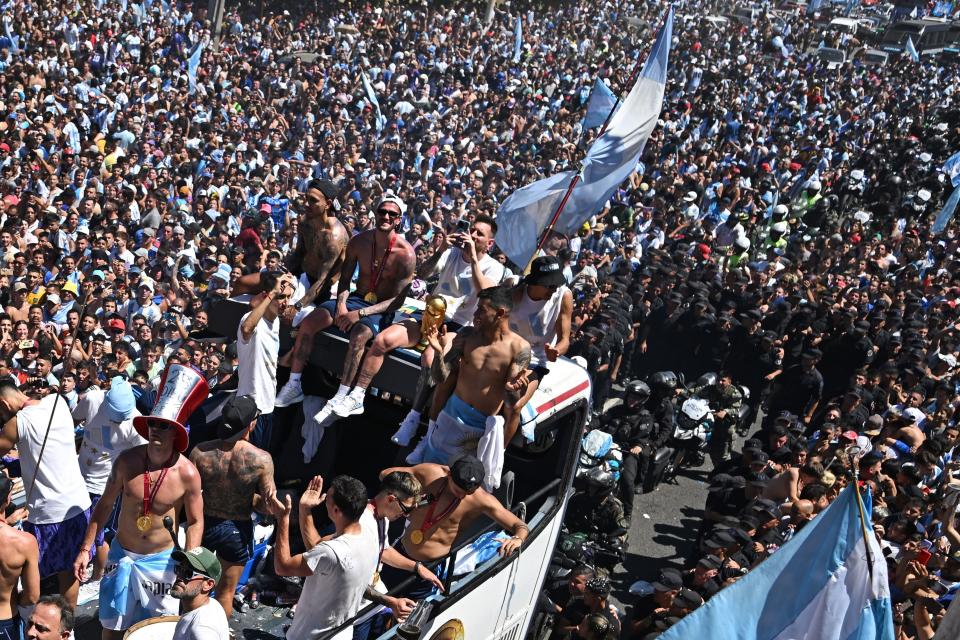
(527, 213)
(820, 586)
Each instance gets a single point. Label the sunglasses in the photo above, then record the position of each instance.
(387, 212)
(158, 425)
(188, 574)
(404, 509)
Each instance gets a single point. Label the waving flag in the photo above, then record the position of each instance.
(829, 582)
(372, 97)
(601, 102)
(952, 168)
(13, 38)
(912, 50)
(946, 214)
(526, 214)
(193, 63)
(517, 40)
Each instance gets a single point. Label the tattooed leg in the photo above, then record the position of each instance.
(315, 322)
(359, 336)
(404, 334)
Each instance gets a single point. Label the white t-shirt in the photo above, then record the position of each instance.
(455, 283)
(60, 492)
(342, 568)
(103, 441)
(370, 524)
(257, 373)
(209, 622)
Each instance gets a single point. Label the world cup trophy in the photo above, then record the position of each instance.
(433, 314)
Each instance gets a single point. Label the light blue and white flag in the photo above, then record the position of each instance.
(601, 102)
(915, 13)
(193, 63)
(525, 215)
(946, 214)
(517, 40)
(372, 97)
(813, 6)
(11, 36)
(819, 586)
(912, 50)
(952, 168)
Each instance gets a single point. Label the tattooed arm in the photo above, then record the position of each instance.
(516, 385)
(442, 367)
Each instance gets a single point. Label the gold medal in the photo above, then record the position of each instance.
(416, 537)
(144, 523)
(370, 297)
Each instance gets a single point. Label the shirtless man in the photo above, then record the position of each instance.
(19, 561)
(454, 499)
(154, 481)
(464, 270)
(235, 475)
(787, 485)
(542, 313)
(485, 367)
(386, 261)
(319, 254)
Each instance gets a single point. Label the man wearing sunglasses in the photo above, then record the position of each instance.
(202, 618)
(386, 262)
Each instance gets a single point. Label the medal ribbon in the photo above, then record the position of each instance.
(429, 520)
(148, 499)
(376, 278)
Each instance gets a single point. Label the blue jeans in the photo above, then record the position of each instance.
(263, 432)
(372, 627)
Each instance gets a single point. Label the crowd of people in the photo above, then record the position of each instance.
(330, 160)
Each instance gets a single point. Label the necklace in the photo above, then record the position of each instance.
(150, 489)
(417, 535)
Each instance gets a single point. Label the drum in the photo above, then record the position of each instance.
(159, 628)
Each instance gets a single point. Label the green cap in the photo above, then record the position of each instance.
(202, 560)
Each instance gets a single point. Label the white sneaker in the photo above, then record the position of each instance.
(291, 393)
(326, 411)
(408, 429)
(89, 591)
(349, 406)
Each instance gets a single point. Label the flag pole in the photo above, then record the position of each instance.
(852, 453)
(576, 178)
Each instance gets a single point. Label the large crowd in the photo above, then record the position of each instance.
(326, 161)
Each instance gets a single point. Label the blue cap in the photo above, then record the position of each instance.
(119, 400)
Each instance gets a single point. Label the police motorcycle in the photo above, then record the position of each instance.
(693, 426)
(595, 526)
(853, 188)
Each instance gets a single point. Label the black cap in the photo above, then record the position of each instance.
(710, 561)
(546, 271)
(328, 188)
(236, 416)
(669, 580)
(687, 599)
(467, 473)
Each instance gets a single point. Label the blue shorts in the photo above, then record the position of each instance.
(231, 540)
(111, 524)
(58, 542)
(376, 323)
(11, 629)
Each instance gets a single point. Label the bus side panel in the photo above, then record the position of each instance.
(502, 606)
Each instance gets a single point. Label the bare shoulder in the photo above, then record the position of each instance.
(336, 228)
(131, 458)
(427, 472)
(186, 468)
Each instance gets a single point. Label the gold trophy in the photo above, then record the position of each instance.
(433, 315)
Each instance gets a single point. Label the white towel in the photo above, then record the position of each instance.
(490, 452)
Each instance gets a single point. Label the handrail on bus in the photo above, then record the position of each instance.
(448, 558)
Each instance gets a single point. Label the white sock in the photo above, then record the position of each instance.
(294, 377)
(342, 391)
(358, 393)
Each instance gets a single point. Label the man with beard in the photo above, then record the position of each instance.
(202, 618)
(386, 263)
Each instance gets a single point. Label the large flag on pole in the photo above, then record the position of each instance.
(601, 102)
(912, 50)
(946, 214)
(819, 586)
(517, 40)
(525, 215)
(372, 97)
(952, 168)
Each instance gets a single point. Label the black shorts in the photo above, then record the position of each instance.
(231, 540)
